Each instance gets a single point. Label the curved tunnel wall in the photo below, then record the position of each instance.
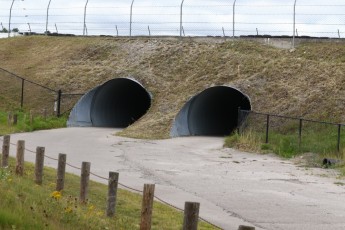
(116, 103)
(213, 112)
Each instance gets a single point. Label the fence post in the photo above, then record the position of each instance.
(130, 19)
(9, 119)
(147, 205)
(300, 133)
(58, 109)
(84, 181)
(22, 95)
(233, 19)
(15, 119)
(84, 29)
(47, 17)
(45, 114)
(294, 24)
(5, 150)
(338, 144)
(267, 127)
(191, 216)
(242, 227)
(39, 165)
(112, 192)
(9, 20)
(60, 180)
(239, 120)
(31, 117)
(20, 158)
(181, 7)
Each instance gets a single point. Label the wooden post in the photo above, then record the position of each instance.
(147, 206)
(112, 192)
(9, 119)
(242, 227)
(60, 181)
(20, 158)
(84, 181)
(15, 119)
(39, 165)
(31, 117)
(5, 150)
(191, 216)
(45, 114)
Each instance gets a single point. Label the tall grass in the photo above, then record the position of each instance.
(287, 144)
(24, 124)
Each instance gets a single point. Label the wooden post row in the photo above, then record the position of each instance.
(191, 216)
(112, 193)
(84, 181)
(147, 206)
(39, 165)
(60, 180)
(20, 158)
(5, 150)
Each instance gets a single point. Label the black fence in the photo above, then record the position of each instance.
(18, 92)
(291, 134)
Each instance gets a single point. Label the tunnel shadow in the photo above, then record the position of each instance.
(117, 103)
(213, 112)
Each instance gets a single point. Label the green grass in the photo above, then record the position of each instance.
(287, 145)
(24, 205)
(320, 140)
(24, 124)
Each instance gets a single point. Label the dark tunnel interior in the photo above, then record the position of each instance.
(213, 112)
(119, 103)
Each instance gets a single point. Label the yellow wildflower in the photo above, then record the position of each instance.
(56, 194)
(68, 210)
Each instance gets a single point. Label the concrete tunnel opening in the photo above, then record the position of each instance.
(117, 103)
(213, 112)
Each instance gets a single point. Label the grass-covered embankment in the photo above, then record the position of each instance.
(24, 205)
(308, 82)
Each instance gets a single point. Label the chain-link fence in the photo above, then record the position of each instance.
(317, 18)
(19, 93)
(292, 135)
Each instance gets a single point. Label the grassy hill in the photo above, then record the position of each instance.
(307, 82)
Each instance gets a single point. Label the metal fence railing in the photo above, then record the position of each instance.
(18, 92)
(294, 134)
(232, 18)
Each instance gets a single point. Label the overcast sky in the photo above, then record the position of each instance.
(200, 17)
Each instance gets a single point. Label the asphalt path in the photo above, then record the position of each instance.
(234, 188)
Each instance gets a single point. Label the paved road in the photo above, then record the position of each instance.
(233, 187)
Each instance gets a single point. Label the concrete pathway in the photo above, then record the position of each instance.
(233, 187)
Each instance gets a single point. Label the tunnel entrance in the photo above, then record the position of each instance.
(117, 103)
(213, 112)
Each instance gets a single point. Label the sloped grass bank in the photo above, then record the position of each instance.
(24, 205)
